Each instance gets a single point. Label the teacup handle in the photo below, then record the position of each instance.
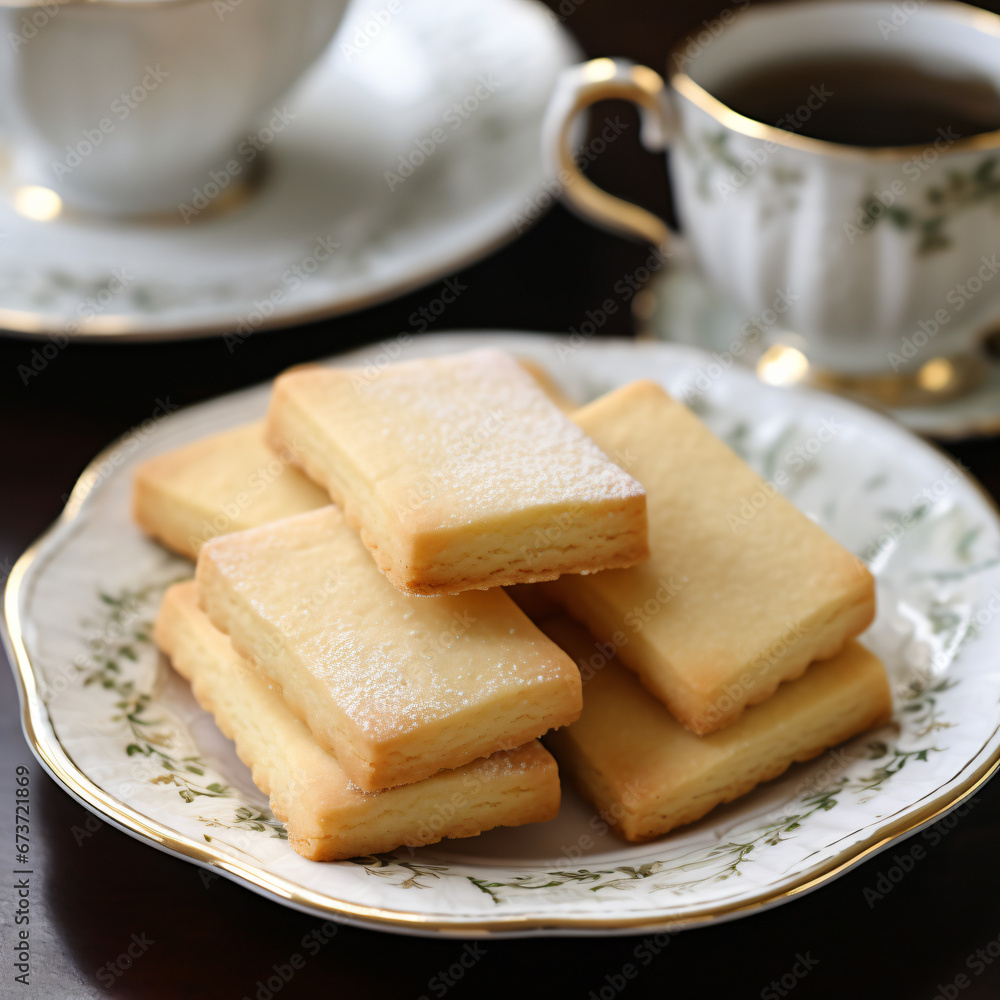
(578, 88)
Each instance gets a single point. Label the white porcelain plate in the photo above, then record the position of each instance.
(112, 723)
(410, 150)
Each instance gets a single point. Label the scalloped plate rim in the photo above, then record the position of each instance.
(46, 747)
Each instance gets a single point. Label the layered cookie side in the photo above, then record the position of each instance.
(222, 483)
(395, 687)
(325, 815)
(728, 606)
(647, 774)
(460, 473)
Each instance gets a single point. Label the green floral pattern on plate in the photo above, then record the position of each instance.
(116, 633)
(135, 730)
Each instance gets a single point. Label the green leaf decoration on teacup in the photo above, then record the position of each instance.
(929, 221)
(720, 171)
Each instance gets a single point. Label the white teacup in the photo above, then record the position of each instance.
(827, 242)
(132, 106)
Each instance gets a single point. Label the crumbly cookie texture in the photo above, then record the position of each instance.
(219, 484)
(459, 472)
(396, 687)
(326, 816)
(742, 590)
(647, 774)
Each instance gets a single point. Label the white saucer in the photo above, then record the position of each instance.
(355, 115)
(681, 307)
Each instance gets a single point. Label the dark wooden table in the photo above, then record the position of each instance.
(96, 891)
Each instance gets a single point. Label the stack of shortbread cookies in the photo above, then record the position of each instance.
(384, 686)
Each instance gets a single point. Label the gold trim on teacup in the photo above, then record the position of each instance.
(683, 84)
(44, 743)
(601, 80)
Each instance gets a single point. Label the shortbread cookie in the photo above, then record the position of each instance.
(325, 815)
(647, 774)
(395, 687)
(222, 483)
(534, 600)
(459, 472)
(742, 590)
(233, 480)
(548, 385)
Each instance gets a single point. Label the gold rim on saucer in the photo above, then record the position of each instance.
(937, 380)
